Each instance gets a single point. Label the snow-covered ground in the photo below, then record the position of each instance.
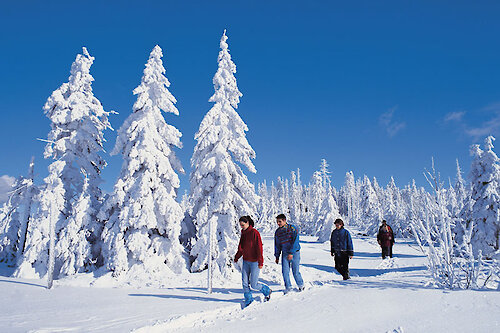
(382, 296)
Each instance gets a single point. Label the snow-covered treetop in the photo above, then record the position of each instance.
(146, 127)
(222, 127)
(325, 174)
(488, 143)
(459, 179)
(153, 90)
(485, 165)
(78, 120)
(226, 89)
(80, 78)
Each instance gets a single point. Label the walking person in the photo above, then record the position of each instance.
(385, 239)
(286, 244)
(250, 247)
(341, 248)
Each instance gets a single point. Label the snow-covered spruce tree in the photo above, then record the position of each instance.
(295, 200)
(415, 201)
(393, 209)
(216, 175)
(282, 197)
(379, 191)
(461, 190)
(143, 219)
(317, 195)
(274, 209)
(451, 199)
(485, 183)
(301, 194)
(325, 174)
(350, 198)
(320, 185)
(329, 212)
(17, 216)
(48, 218)
(463, 224)
(371, 216)
(267, 209)
(75, 141)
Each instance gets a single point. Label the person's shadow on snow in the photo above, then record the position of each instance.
(365, 272)
(193, 298)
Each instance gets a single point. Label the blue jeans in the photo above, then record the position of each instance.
(250, 278)
(294, 263)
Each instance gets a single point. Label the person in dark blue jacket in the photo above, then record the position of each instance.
(286, 242)
(341, 248)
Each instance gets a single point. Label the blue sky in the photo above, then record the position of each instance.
(376, 88)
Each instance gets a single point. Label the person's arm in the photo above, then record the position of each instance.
(350, 248)
(240, 250)
(295, 241)
(277, 247)
(260, 257)
(331, 243)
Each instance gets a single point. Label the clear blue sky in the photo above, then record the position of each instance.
(376, 87)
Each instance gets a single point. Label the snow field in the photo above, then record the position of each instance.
(383, 296)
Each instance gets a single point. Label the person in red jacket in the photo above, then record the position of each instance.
(385, 239)
(250, 248)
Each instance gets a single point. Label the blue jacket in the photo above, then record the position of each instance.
(286, 240)
(341, 241)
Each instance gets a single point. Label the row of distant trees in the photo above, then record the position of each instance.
(66, 225)
(457, 225)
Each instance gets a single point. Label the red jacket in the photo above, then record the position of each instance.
(250, 246)
(385, 238)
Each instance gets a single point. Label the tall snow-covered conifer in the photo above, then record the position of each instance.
(329, 212)
(75, 142)
(216, 174)
(351, 198)
(461, 190)
(485, 183)
(295, 198)
(143, 219)
(266, 208)
(48, 219)
(16, 218)
(393, 209)
(370, 207)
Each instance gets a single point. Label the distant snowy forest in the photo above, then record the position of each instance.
(68, 226)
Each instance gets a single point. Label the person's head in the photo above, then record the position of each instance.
(339, 223)
(245, 222)
(384, 222)
(281, 220)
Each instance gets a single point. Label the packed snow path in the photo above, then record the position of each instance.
(383, 296)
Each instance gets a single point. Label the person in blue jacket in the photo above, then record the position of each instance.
(341, 248)
(286, 242)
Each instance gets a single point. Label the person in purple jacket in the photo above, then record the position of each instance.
(286, 242)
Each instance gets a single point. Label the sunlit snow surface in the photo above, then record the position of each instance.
(391, 295)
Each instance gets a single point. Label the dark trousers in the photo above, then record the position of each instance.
(342, 264)
(386, 251)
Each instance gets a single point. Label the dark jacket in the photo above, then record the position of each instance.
(385, 238)
(341, 242)
(286, 240)
(250, 246)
